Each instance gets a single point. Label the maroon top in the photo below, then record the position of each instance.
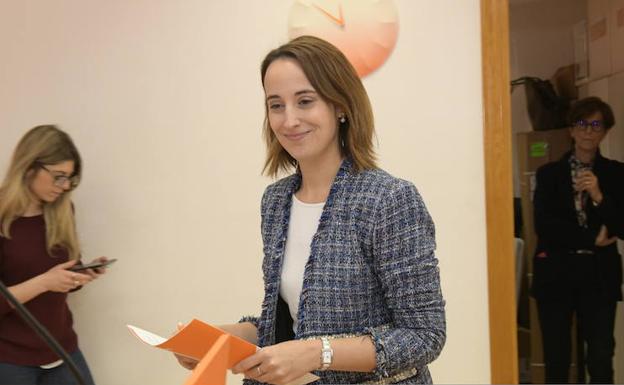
(22, 257)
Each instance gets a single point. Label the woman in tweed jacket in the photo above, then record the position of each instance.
(352, 290)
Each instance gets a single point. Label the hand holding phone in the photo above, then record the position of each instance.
(93, 265)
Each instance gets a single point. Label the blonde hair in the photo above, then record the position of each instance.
(42, 145)
(337, 82)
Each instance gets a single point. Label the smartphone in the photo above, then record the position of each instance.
(93, 265)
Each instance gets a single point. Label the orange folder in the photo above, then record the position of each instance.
(185, 342)
(212, 368)
(216, 350)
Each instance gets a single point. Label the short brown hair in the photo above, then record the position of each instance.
(337, 82)
(588, 106)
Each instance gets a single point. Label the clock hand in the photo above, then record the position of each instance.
(338, 20)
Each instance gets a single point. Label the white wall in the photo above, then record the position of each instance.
(163, 98)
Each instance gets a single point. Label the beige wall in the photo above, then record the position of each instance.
(164, 100)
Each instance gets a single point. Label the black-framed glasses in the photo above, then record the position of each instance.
(593, 125)
(61, 180)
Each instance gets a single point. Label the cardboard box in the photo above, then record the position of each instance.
(598, 31)
(536, 148)
(581, 58)
(617, 36)
(564, 82)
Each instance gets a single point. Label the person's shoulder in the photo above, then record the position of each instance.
(615, 164)
(382, 182)
(611, 169)
(381, 177)
(559, 165)
(551, 168)
(280, 188)
(282, 184)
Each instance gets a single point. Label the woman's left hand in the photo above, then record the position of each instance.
(94, 273)
(185, 362)
(602, 239)
(282, 363)
(587, 181)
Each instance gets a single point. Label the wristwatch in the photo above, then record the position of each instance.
(327, 354)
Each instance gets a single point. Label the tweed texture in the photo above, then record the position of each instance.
(372, 271)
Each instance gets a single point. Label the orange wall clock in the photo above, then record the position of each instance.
(364, 30)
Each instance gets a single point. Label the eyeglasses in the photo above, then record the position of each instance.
(60, 180)
(594, 125)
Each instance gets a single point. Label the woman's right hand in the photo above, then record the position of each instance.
(59, 279)
(186, 362)
(603, 239)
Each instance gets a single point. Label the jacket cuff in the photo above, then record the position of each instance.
(251, 319)
(381, 359)
(605, 209)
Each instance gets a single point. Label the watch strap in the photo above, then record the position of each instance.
(327, 354)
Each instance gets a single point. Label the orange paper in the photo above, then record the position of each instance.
(215, 349)
(212, 368)
(197, 338)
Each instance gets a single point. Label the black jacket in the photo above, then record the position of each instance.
(559, 233)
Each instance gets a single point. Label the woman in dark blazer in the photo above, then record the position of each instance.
(579, 214)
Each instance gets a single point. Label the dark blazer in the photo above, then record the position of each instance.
(559, 234)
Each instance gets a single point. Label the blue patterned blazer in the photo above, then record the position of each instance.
(372, 271)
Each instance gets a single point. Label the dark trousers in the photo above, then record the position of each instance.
(33, 375)
(596, 320)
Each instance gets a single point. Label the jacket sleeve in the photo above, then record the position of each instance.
(551, 225)
(403, 247)
(253, 319)
(611, 210)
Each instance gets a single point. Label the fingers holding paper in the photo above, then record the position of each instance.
(185, 362)
(282, 363)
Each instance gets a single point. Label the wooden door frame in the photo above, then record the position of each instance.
(498, 191)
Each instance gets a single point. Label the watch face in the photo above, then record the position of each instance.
(364, 30)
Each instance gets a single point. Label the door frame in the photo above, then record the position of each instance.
(498, 191)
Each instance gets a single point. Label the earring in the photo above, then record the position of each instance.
(342, 118)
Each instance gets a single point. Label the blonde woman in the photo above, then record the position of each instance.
(38, 246)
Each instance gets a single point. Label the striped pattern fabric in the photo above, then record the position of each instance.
(372, 271)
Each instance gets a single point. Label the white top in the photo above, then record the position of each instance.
(52, 365)
(304, 221)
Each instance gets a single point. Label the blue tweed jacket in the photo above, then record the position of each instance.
(371, 271)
